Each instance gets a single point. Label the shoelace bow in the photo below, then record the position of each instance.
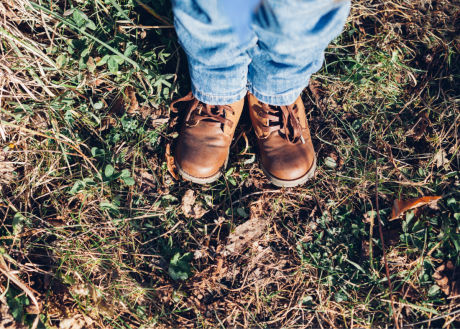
(213, 115)
(290, 122)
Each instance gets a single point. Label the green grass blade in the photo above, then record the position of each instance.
(70, 24)
(122, 13)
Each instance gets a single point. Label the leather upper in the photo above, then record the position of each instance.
(206, 133)
(283, 135)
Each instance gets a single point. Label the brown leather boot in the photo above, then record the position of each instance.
(286, 150)
(203, 145)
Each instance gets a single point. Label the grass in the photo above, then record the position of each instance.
(93, 223)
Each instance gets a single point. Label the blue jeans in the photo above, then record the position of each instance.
(286, 46)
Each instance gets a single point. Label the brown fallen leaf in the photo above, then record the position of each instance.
(316, 89)
(420, 126)
(170, 162)
(145, 177)
(133, 106)
(157, 115)
(32, 309)
(187, 202)
(88, 290)
(78, 321)
(6, 170)
(117, 107)
(245, 233)
(440, 158)
(400, 206)
(58, 287)
(108, 122)
(443, 278)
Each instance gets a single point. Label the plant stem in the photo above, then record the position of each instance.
(395, 320)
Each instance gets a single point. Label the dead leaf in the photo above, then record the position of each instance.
(170, 162)
(157, 115)
(108, 122)
(419, 128)
(32, 309)
(117, 107)
(316, 90)
(47, 280)
(399, 207)
(91, 64)
(245, 233)
(443, 278)
(189, 210)
(6, 170)
(219, 261)
(59, 287)
(98, 82)
(198, 211)
(199, 253)
(145, 177)
(82, 289)
(97, 297)
(78, 321)
(133, 103)
(187, 201)
(440, 158)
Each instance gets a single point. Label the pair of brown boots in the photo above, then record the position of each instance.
(202, 150)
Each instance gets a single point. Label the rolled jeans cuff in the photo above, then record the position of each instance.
(218, 99)
(286, 98)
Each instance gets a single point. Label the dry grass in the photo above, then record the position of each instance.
(86, 240)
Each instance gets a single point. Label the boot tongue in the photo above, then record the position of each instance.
(213, 115)
(284, 119)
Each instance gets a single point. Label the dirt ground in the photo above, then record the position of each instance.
(99, 231)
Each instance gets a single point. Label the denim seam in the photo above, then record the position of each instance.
(283, 95)
(213, 96)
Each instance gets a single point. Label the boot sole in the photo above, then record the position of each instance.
(289, 183)
(201, 180)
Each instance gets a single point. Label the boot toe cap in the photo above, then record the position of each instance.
(196, 167)
(287, 171)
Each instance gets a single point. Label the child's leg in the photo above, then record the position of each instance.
(218, 68)
(293, 35)
(218, 65)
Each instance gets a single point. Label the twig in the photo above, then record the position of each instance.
(152, 12)
(146, 27)
(177, 72)
(395, 320)
(164, 234)
(10, 276)
(433, 319)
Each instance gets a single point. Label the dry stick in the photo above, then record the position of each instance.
(395, 320)
(15, 280)
(146, 27)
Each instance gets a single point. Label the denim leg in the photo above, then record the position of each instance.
(218, 64)
(292, 36)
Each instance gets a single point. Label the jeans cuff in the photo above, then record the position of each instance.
(287, 98)
(218, 99)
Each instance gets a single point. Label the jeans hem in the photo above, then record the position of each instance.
(218, 99)
(278, 100)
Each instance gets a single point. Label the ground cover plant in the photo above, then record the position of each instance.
(98, 231)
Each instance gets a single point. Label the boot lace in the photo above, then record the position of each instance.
(213, 115)
(284, 119)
